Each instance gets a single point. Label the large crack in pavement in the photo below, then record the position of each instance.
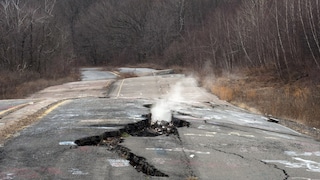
(277, 167)
(253, 159)
(144, 128)
(138, 162)
(183, 123)
(286, 175)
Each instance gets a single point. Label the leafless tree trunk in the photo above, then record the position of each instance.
(242, 42)
(305, 34)
(182, 15)
(280, 38)
(313, 28)
(287, 29)
(213, 43)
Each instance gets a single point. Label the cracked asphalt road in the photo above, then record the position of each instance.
(222, 142)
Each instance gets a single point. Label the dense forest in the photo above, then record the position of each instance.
(48, 38)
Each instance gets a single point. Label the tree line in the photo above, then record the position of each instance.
(281, 35)
(49, 37)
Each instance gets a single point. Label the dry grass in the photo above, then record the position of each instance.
(127, 75)
(293, 101)
(19, 85)
(224, 92)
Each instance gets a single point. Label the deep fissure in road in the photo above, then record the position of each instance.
(143, 128)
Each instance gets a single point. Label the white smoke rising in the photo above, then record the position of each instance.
(161, 111)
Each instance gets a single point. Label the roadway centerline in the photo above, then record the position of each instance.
(120, 88)
(52, 108)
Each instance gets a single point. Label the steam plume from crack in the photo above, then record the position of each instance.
(173, 101)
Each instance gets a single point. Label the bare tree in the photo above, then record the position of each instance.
(305, 34)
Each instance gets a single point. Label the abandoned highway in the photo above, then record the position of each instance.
(155, 126)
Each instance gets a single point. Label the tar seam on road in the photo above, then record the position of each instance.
(120, 88)
(52, 108)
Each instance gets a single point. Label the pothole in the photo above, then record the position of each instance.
(144, 128)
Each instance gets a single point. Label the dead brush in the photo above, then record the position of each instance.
(192, 178)
(224, 92)
(294, 101)
(128, 75)
(19, 85)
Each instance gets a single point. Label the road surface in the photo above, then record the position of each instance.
(222, 141)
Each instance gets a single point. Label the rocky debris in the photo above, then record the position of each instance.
(167, 128)
(111, 142)
(179, 123)
(106, 139)
(272, 119)
(164, 127)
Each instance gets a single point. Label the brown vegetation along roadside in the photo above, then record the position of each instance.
(19, 85)
(298, 101)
